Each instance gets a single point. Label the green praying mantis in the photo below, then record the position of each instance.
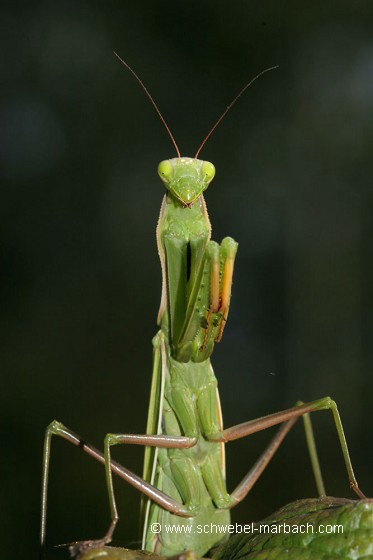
(183, 483)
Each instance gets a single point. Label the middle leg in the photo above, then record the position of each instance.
(288, 418)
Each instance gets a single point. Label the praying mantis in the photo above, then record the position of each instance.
(183, 483)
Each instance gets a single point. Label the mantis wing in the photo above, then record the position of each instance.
(154, 424)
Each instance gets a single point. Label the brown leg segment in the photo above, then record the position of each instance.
(170, 442)
(288, 417)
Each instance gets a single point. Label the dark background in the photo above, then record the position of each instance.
(80, 277)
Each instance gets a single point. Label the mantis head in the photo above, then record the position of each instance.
(186, 178)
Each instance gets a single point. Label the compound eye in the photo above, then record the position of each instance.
(165, 170)
(208, 171)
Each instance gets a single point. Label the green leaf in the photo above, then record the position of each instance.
(301, 530)
(352, 538)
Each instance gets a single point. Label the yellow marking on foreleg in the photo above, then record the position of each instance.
(226, 293)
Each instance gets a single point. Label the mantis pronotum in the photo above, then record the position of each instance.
(183, 481)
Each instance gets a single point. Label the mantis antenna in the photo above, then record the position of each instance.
(217, 122)
(231, 105)
(152, 101)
